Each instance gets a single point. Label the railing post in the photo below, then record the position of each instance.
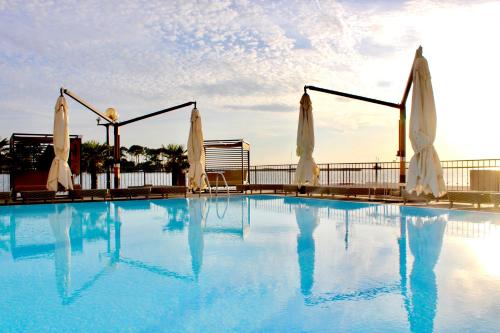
(289, 174)
(144, 178)
(328, 174)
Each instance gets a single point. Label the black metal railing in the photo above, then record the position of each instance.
(4, 182)
(135, 178)
(463, 175)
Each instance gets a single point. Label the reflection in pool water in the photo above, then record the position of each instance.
(260, 263)
(307, 221)
(425, 235)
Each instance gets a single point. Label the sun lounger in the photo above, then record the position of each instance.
(473, 197)
(119, 193)
(316, 190)
(29, 196)
(242, 188)
(5, 197)
(164, 191)
(291, 189)
(265, 187)
(79, 194)
(143, 191)
(413, 197)
(495, 199)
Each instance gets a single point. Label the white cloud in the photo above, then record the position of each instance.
(144, 56)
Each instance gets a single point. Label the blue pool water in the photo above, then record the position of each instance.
(247, 264)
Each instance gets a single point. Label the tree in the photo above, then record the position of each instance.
(136, 151)
(177, 163)
(4, 154)
(95, 157)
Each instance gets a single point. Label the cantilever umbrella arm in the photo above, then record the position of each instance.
(85, 104)
(116, 126)
(402, 117)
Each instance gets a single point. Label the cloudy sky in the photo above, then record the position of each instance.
(246, 62)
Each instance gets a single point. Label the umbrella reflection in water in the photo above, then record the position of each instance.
(60, 223)
(425, 235)
(197, 220)
(307, 221)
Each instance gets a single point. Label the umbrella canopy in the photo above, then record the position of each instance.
(425, 174)
(60, 173)
(196, 153)
(307, 171)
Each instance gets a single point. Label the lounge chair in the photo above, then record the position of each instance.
(242, 188)
(413, 197)
(495, 199)
(119, 193)
(316, 190)
(291, 189)
(265, 187)
(164, 191)
(5, 196)
(29, 196)
(138, 191)
(473, 197)
(92, 193)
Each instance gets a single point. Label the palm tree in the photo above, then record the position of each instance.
(4, 154)
(153, 161)
(136, 151)
(177, 163)
(95, 157)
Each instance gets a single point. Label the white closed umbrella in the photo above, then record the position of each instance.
(307, 171)
(60, 173)
(196, 153)
(425, 174)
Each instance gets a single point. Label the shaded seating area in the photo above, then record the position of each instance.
(227, 162)
(32, 157)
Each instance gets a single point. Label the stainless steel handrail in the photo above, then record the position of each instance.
(221, 174)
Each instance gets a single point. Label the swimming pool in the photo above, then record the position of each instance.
(247, 264)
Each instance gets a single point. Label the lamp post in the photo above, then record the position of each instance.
(108, 175)
(112, 114)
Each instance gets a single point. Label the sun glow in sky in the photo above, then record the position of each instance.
(246, 62)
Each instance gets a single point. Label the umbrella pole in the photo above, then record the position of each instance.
(402, 144)
(116, 159)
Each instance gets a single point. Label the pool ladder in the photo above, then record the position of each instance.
(218, 174)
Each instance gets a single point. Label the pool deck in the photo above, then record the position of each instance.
(393, 201)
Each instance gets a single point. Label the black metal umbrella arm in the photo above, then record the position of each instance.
(116, 126)
(401, 153)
